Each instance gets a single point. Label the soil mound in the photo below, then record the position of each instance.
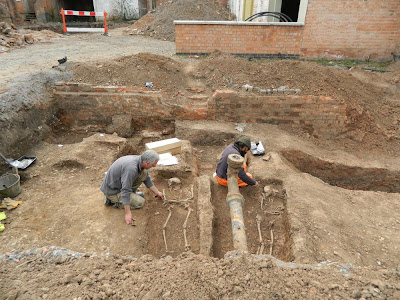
(61, 274)
(374, 119)
(160, 22)
(134, 70)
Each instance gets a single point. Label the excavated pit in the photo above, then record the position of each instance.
(275, 227)
(208, 227)
(348, 177)
(129, 117)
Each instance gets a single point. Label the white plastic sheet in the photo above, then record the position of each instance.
(167, 159)
(257, 148)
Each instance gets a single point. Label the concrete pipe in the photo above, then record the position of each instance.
(235, 202)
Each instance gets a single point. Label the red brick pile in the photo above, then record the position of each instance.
(11, 38)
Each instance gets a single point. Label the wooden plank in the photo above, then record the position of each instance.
(78, 29)
(173, 145)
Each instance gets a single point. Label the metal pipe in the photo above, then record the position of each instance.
(235, 201)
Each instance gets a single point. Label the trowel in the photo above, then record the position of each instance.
(13, 163)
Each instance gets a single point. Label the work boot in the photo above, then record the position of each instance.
(107, 201)
(118, 205)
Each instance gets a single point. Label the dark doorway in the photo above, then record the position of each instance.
(85, 5)
(291, 8)
(142, 8)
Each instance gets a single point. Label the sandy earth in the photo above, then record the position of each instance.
(84, 48)
(344, 242)
(159, 23)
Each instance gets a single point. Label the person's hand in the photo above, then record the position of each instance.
(129, 218)
(160, 195)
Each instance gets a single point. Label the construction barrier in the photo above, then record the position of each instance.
(84, 14)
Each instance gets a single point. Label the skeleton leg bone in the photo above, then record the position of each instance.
(260, 240)
(272, 238)
(187, 246)
(165, 226)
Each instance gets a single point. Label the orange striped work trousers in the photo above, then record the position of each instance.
(241, 183)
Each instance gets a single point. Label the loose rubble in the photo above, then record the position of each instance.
(10, 37)
(159, 23)
(13, 38)
(58, 273)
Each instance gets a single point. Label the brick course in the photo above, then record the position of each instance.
(237, 39)
(351, 29)
(84, 105)
(333, 29)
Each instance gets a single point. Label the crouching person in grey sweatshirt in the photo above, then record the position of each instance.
(123, 178)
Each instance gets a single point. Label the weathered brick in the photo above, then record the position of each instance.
(329, 31)
(149, 112)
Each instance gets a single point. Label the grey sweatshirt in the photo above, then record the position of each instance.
(121, 175)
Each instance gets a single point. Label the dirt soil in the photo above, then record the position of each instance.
(330, 242)
(378, 128)
(159, 23)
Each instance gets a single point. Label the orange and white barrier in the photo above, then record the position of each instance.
(84, 14)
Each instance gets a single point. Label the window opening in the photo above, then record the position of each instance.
(291, 8)
(295, 10)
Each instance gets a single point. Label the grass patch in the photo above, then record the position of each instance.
(381, 65)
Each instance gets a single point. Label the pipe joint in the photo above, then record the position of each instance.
(234, 197)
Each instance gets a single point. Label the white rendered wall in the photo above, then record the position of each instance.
(124, 9)
(236, 7)
(260, 6)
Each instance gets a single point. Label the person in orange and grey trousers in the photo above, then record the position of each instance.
(241, 147)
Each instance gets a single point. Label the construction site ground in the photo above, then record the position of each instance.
(328, 239)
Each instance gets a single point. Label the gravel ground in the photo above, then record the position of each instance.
(43, 55)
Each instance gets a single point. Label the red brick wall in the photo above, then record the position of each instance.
(333, 29)
(8, 11)
(355, 29)
(85, 105)
(317, 115)
(222, 2)
(238, 39)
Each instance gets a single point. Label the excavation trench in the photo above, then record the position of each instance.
(348, 177)
(275, 228)
(141, 116)
(208, 229)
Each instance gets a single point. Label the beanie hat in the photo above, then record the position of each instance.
(245, 140)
